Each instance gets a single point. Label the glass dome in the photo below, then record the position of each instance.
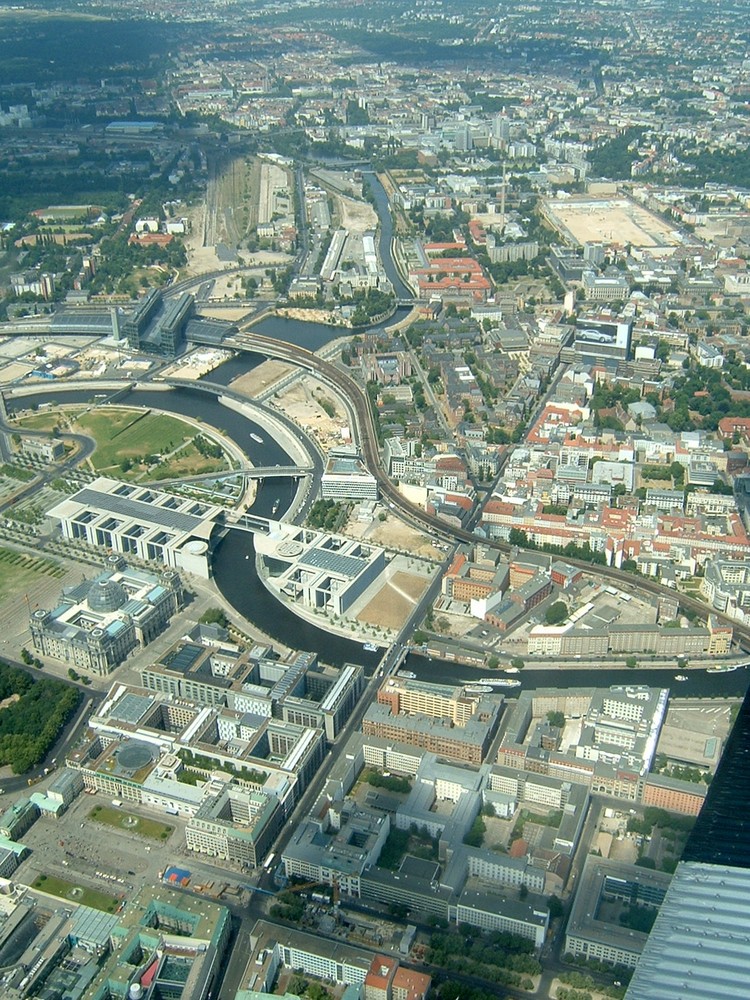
(106, 595)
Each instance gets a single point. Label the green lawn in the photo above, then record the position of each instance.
(76, 893)
(131, 433)
(188, 461)
(120, 820)
(19, 573)
(47, 420)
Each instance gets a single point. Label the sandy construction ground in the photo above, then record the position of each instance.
(232, 315)
(392, 605)
(200, 258)
(259, 379)
(356, 216)
(611, 220)
(410, 586)
(301, 403)
(450, 624)
(273, 178)
(197, 363)
(393, 534)
(311, 315)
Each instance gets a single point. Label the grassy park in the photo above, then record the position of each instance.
(63, 889)
(136, 444)
(115, 817)
(122, 433)
(19, 572)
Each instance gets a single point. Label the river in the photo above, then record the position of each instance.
(699, 684)
(234, 561)
(234, 558)
(236, 577)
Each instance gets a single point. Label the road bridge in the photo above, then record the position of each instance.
(257, 472)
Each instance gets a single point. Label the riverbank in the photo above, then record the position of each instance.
(326, 316)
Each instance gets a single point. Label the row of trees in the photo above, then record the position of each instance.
(518, 537)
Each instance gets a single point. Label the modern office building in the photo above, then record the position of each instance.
(273, 947)
(134, 327)
(173, 756)
(319, 571)
(208, 669)
(337, 849)
(238, 825)
(699, 946)
(157, 326)
(435, 717)
(346, 478)
(341, 846)
(162, 944)
(494, 912)
(137, 520)
(618, 735)
(726, 584)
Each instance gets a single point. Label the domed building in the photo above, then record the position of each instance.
(106, 595)
(99, 622)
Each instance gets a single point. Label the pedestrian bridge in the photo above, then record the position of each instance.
(248, 522)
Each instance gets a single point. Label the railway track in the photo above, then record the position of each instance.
(371, 454)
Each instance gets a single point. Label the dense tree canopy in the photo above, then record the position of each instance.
(31, 724)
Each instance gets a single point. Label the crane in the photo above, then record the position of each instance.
(303, 886)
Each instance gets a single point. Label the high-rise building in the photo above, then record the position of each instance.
(699, 946)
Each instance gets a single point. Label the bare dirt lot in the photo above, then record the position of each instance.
(411, 586)
(302, 403)
(389, 608)
(256, 381)
(393, 534)
(356, 216)
(200, 258)
(311, 315)
(611, 220)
